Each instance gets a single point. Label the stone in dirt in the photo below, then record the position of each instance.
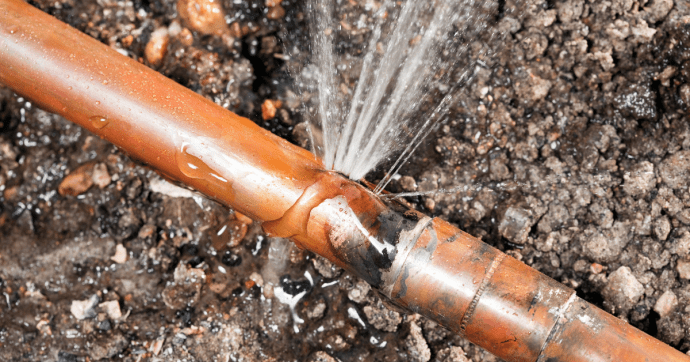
(204, 16)
(675, 169)
(666, 304)
(112, 309)
(516, 224)
(186, 287)
(120, 256)
(100, 175)
(322, 356)
(83, 309)
(452, 354)
(416, 345)
(606, 246)
(683, 268)
(623, 290)
(382, 318)
(77, 182)
(640, 180)
(108, 347)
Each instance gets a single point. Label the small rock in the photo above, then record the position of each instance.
(100, 175)
(570, 10)
(408, 183)
(681, 246)
(683, 268)
(108, 347)
(276, 12)
(661, 228)
(83, 309)
(324, 267)
(77, 182)
(533, 89)
(607, 246)
(269, 109)
(358, 293)
(416, 346)
(658, 10)
(675, 169)
(623, 290)
(642, 32)
(640, 180)
(452, 354)
(684, 93)
(157, 46)
(120, 256)
(666, 304)
(185, 289)
(322, 357)
(204, 16)
(382, 318)
(516, 224)
(112, 309)
(317, 311)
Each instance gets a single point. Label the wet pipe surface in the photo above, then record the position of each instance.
(426, 265)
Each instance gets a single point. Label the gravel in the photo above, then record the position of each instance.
(569, 148)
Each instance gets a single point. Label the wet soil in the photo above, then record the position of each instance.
(570, 144)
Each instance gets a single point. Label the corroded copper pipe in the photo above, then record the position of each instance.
(423, 264)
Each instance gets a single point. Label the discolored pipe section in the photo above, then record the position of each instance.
(423, 264)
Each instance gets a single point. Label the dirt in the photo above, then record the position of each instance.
(572, 138)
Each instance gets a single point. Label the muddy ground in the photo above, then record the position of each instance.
(572, 137)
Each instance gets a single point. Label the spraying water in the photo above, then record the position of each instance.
(371, 107)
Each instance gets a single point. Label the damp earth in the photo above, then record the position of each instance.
(568, 148)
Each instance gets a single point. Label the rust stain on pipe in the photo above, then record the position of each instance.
(426, 265)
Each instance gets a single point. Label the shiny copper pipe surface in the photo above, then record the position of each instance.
(426, 265)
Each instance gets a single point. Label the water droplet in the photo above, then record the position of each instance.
(98, 103)
(99, 121)
(192, 166)
(105, 82)
(69, 88)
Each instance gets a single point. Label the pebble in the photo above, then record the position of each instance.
(516, 224)
(324, 267)
(112, 309)
(120, 256)
(77, 182)
(408, 183)
(157, 46)
(204, 16)
(683, 268)
(83, 309)
(666, 304)
(276, 12)
(186, 287)
(640, 179)
(322, 356)
(382, 318)
(452, 354)
(416, 346)
(661, 228)
(681, 246)
(269, 108)
(623, 290)
(358, 294)
(675, 169)
(100, 175)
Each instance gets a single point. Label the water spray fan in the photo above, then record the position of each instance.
(425, 265)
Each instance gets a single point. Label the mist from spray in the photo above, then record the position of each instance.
(372, 107)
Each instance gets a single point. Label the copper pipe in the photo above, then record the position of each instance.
(426, 265)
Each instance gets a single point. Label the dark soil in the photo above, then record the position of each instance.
(573, 139)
